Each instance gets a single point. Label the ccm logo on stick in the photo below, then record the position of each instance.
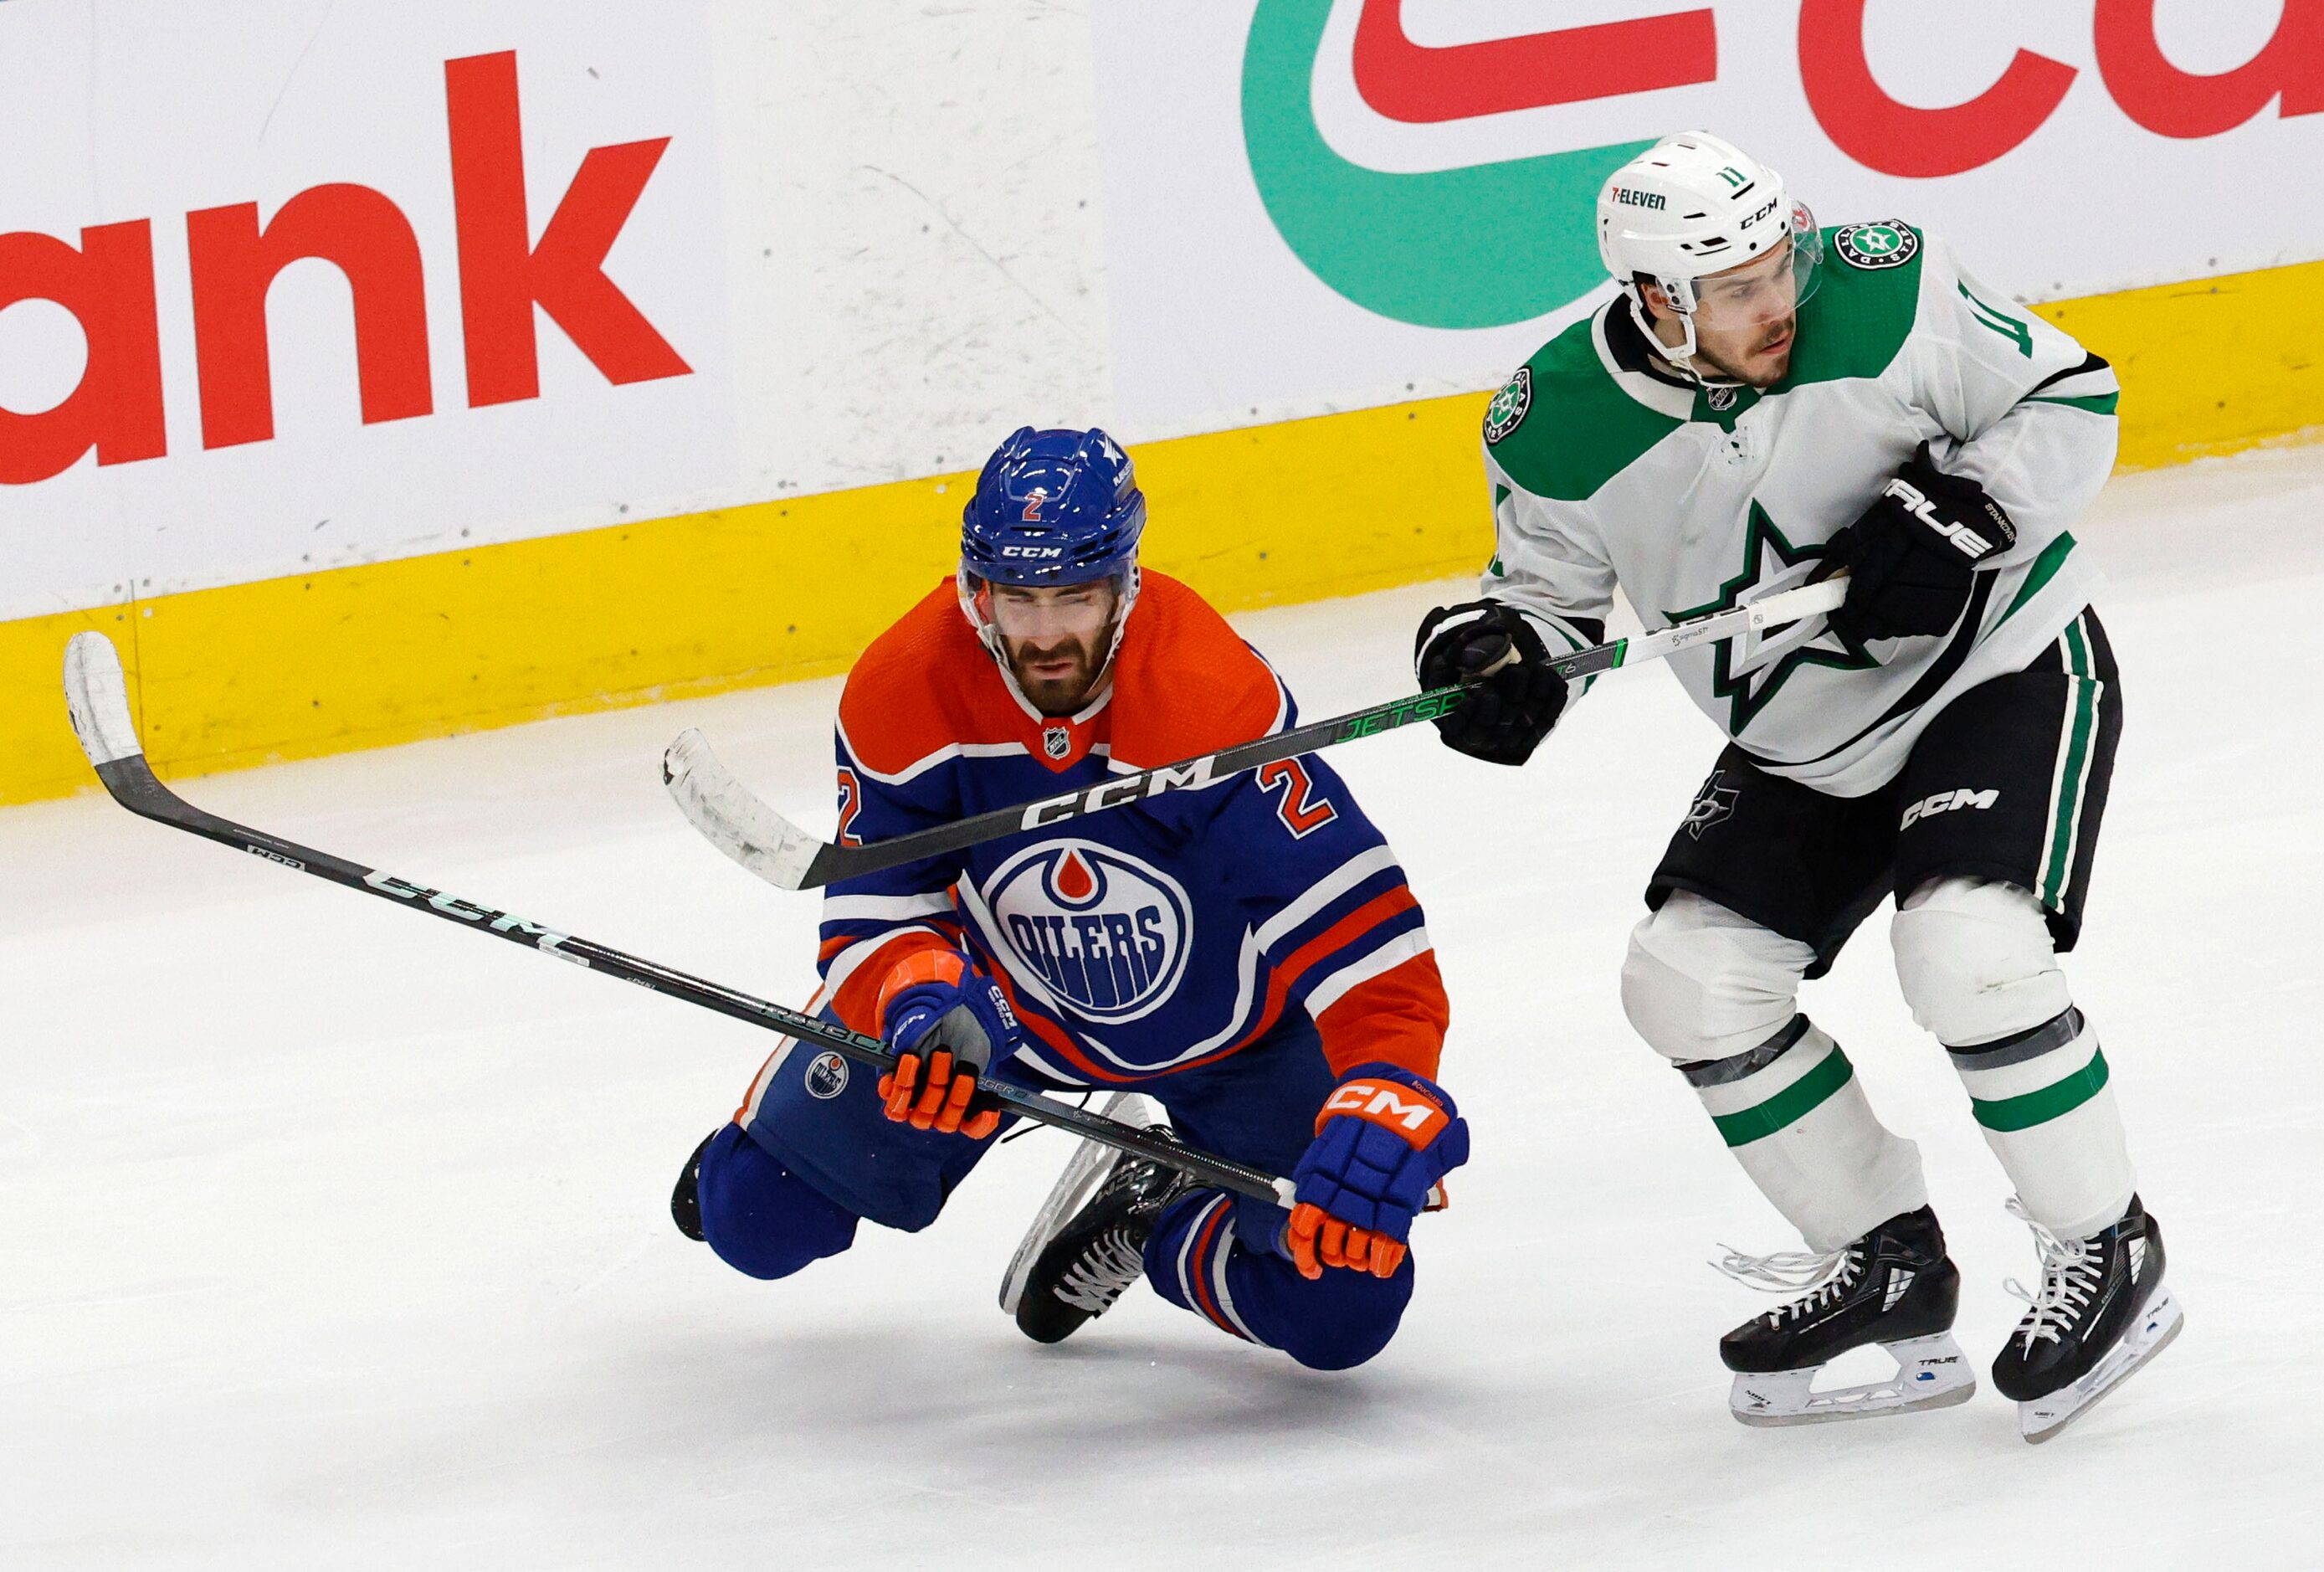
(1193, 772)
(1389, 1106)
(1946, 802)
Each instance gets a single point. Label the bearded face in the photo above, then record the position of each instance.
(1055, 638)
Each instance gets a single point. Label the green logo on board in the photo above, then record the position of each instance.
(1478, 246)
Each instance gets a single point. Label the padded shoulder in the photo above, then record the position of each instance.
(922, 687)
(1867, 296)
(1185, 683)
(1574, 427)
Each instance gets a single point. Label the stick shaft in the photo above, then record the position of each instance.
(131, 781)
(779, 851)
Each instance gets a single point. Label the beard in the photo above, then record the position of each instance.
(1055, 677)
(1757, 369)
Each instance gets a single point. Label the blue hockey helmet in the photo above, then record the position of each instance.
(1053, 507)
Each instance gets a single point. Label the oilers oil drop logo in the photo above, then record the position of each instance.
(1107, 932)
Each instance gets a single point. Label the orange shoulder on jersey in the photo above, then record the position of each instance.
(1397, 1017)
(925, 685)
(1185, 683)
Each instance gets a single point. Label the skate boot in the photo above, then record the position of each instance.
(1894, 1287)
(2102, 1311)
(1088, 1242)
(686, 1199)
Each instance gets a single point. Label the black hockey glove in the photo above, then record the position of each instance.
(1909, 557)
(1514, 704)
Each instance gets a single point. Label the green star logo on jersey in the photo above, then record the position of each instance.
(1509, 406)
(1766, 555)
(1876, 246)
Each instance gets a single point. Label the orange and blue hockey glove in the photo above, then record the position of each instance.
(949, 1024)
(1384, 1139)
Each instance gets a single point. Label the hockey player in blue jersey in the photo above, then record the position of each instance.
(1248, 955)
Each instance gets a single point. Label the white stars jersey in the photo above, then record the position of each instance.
(1604, 472)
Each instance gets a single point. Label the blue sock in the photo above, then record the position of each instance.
(1197, 1261)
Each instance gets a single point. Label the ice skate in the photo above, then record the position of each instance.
(686, 1197)
(2100, 1313)
(1088, 1243)
(1894, 1287)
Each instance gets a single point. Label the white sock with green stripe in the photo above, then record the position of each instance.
(1799, 1123)
(2042, 1098)
(1975, 960)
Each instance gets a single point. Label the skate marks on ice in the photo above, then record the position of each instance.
(442, 1317)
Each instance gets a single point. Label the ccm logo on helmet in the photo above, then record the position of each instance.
(1032, 550)
(1970, 543)
(1390, 1106)
(1946, 802)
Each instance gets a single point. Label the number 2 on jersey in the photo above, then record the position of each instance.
(1298, 806)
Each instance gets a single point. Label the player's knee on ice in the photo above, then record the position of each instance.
(1201, 1262)
(1975, 960)
(760, 1217)
(1345, 1319)
(1702, 983)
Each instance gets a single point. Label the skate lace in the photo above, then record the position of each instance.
(2070, 1274)
(1099, 1274)
(1820, 1276)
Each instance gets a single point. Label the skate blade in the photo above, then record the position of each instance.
(1931, 1373)
(1083, 1172)
(2158, 1323)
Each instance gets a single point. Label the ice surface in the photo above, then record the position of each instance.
(330, 1238)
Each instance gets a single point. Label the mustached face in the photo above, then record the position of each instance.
(1056, 639)
(1746, 320)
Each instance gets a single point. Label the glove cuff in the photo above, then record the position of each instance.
(942, 969)
(1409, 1106)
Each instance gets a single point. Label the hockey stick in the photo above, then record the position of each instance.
(98, 699)
(770, 846)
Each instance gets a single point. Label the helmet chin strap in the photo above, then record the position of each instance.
(988, 633)
(1681, 356)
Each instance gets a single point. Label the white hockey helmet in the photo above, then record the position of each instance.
(1692, 205)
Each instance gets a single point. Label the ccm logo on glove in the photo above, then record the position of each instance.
(1391, 1107)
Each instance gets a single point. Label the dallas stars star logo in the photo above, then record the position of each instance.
(1736, 675)
(1713, 804)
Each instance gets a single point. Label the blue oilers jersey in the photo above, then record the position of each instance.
(1146, 939)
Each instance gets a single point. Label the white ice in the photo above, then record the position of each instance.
(330, 1238)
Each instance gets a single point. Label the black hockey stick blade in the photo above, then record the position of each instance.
(98, 699)
(739, 824)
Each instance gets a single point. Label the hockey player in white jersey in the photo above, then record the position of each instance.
(1764, 403)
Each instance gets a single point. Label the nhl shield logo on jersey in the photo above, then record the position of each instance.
(1107, 932)
(1888, 244)
(826, 1076)
(1509, 406)
(1057, 741)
